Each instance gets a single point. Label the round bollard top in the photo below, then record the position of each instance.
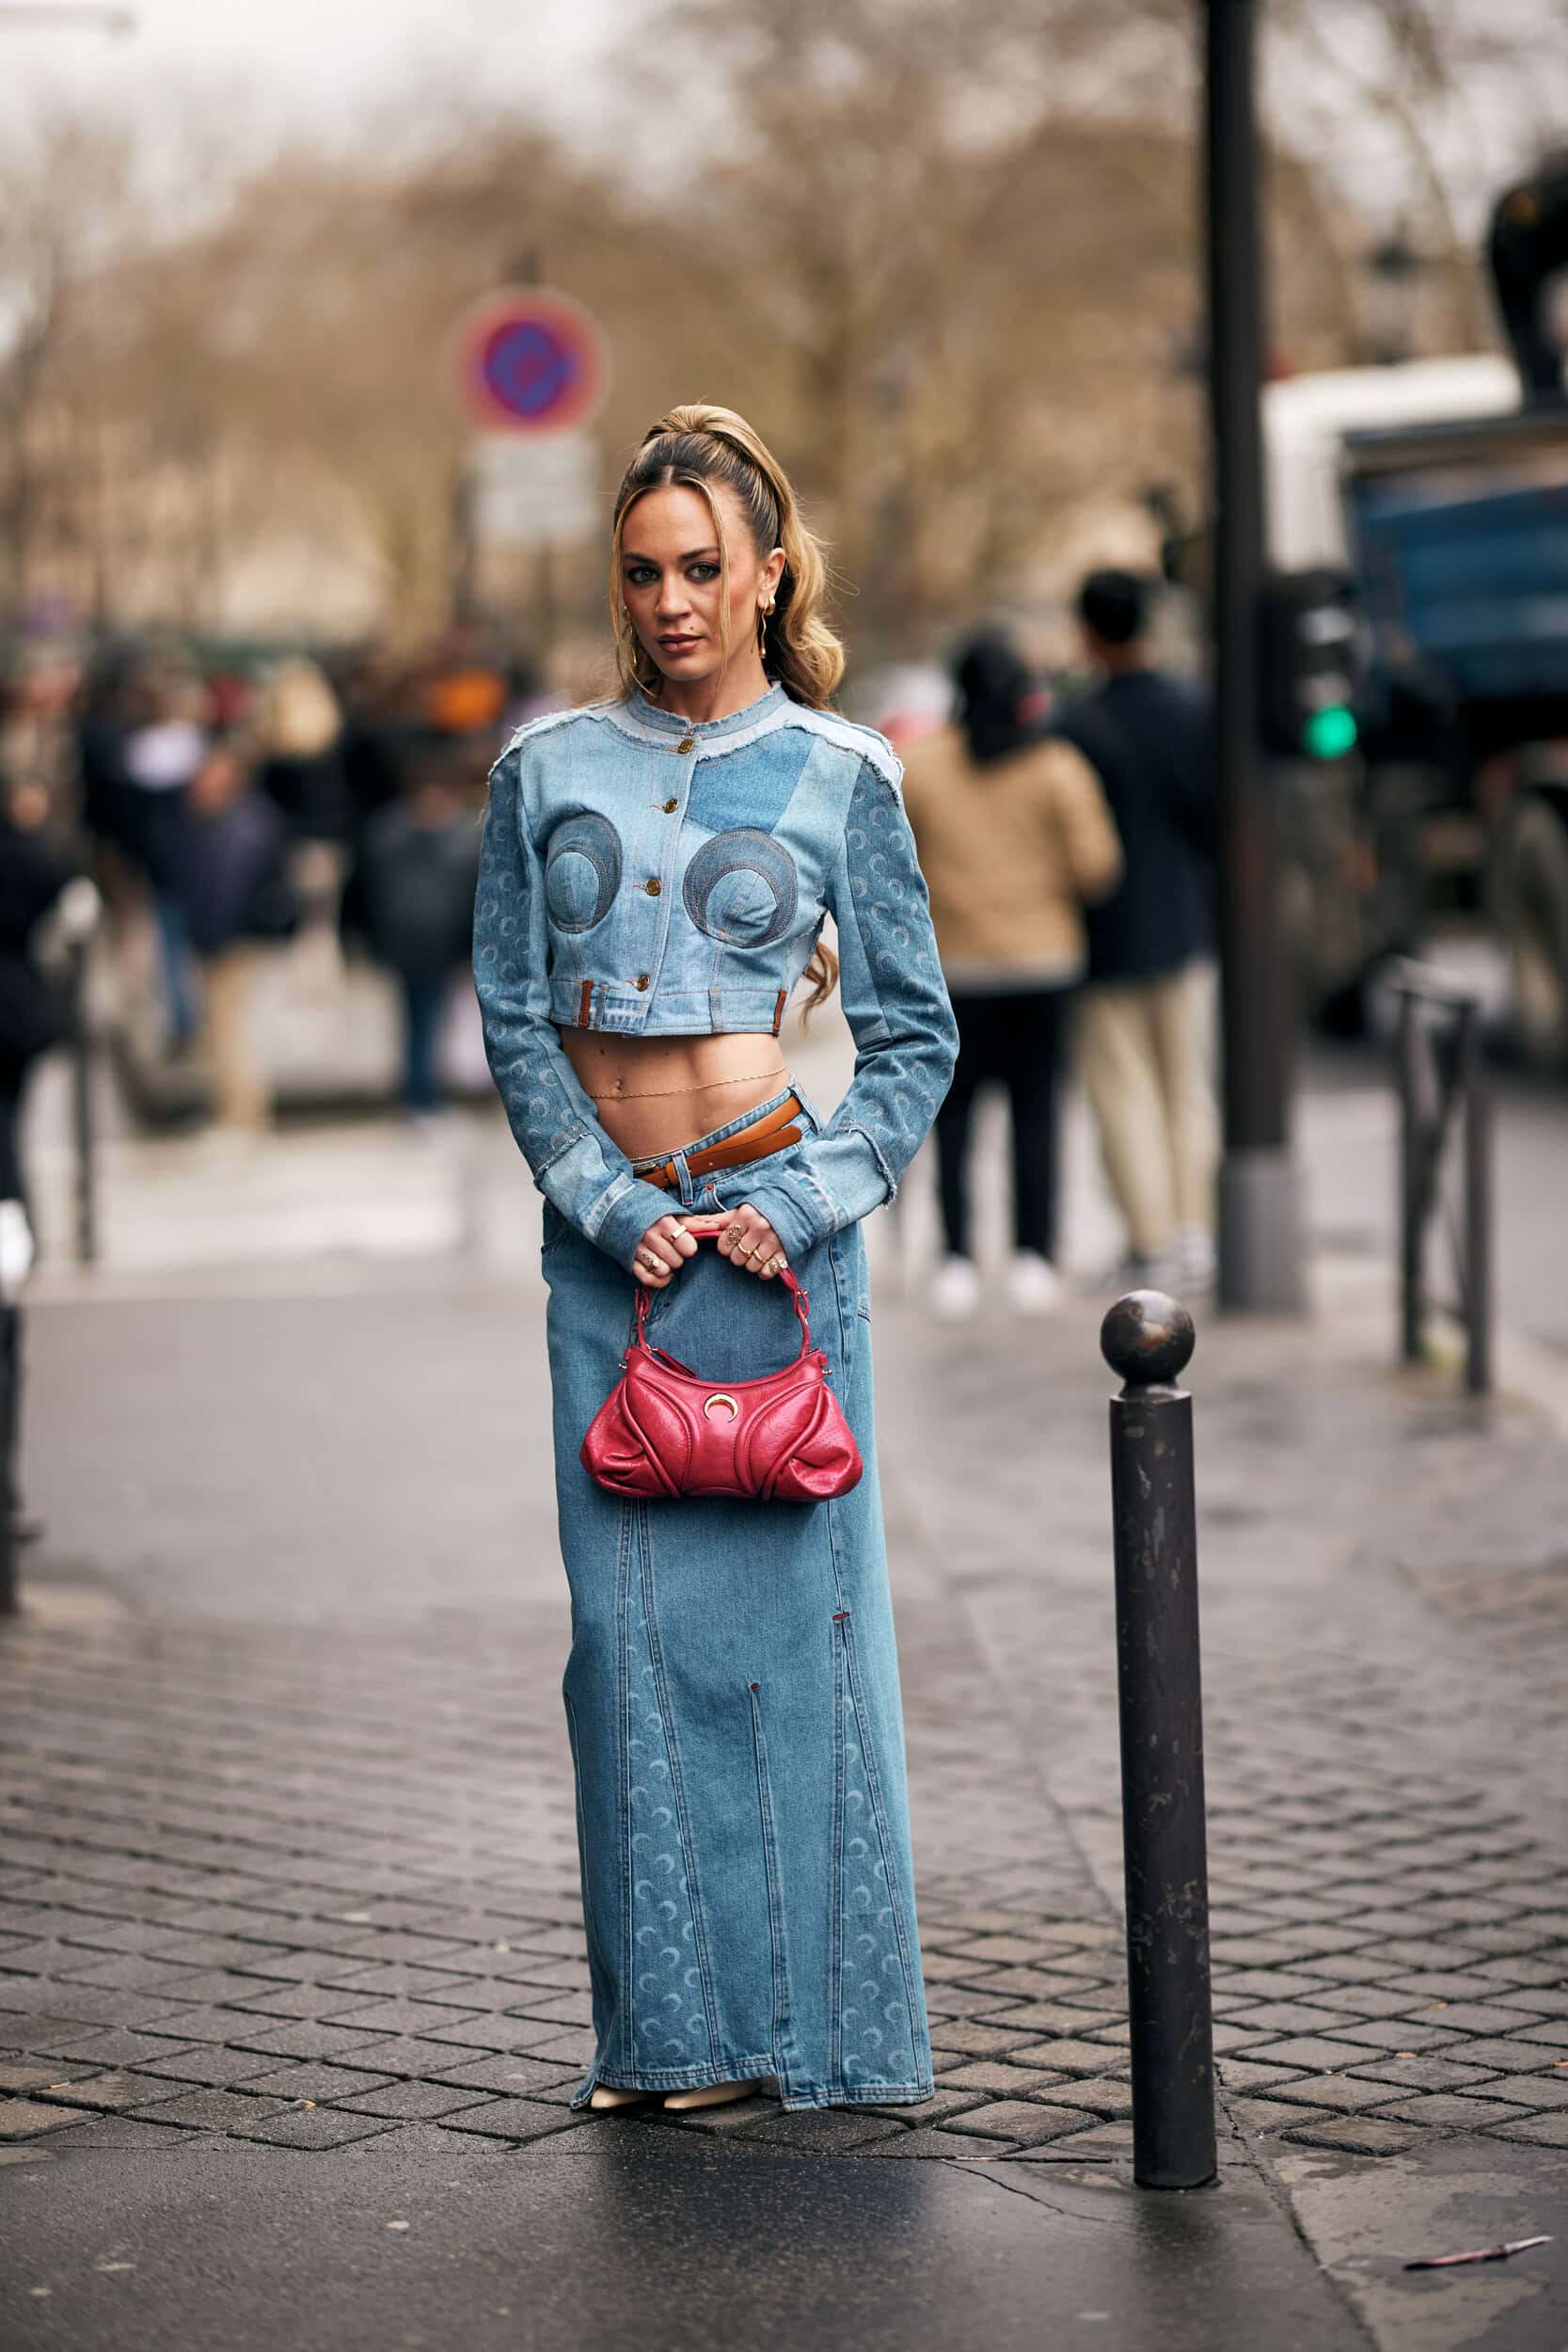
(1147, 1338)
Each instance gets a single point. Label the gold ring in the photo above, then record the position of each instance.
(774, 1262)
(732, 1235)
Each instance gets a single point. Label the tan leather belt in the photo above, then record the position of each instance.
(754, 1143)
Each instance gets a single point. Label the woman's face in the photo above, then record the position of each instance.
(670, 577)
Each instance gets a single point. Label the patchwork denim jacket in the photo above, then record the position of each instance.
(656, 878)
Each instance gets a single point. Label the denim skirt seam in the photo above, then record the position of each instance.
(677, 1782)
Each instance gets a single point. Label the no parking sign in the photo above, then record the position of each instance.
(529, 361)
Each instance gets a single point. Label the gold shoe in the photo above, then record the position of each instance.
(710, 2095)
(607, 2097)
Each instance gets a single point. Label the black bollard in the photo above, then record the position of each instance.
(1148, 1340)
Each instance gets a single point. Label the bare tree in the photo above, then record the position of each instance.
(947, 255)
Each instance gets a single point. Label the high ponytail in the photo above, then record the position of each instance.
(698, 448)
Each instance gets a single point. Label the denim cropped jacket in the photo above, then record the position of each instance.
(652, 877)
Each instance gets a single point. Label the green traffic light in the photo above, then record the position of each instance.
(1330, 733)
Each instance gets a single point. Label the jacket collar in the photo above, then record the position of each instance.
(648, 724)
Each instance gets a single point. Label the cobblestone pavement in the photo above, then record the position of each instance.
(288, 1833)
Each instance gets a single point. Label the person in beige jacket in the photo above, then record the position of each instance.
(1014, 836)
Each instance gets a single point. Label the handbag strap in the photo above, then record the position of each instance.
(786, 1276)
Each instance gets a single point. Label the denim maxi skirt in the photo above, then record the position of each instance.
(732, 1698)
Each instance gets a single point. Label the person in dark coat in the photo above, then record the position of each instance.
(35, 1013)
(35, 1016)
(232, 889)
(419, 866)
(1144, 1016)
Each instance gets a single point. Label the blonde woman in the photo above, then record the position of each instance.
(656, 874)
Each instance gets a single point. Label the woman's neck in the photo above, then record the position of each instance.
(736, 688)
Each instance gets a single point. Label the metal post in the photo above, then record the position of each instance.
(465, 558)
(1475, 1096)
(1412, 1219)
(1260, 1224)
(81, 1107)
(1147, 1340)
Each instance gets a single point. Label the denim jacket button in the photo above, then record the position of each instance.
(670, 807)
(687, 743)
(643, 980)
(653, 886)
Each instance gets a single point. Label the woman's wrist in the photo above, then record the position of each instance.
(621, 1231)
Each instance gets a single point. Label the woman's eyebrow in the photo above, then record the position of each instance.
(692, 555)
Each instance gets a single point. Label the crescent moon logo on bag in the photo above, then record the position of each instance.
(786, 1438)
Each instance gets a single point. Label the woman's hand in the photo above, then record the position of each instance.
(744, 1237)
(662, 1251)
(747, 1239)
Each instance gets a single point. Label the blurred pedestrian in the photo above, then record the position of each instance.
(465, 692)
(299, 727)
(37, 879)
(370, 693)
(1145, 1018)
(235, 896)
(165, 743)
(36, 737)
(1014, 838)
(419, 866)
(104, 717)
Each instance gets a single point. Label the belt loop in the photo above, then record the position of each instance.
(683, 1177)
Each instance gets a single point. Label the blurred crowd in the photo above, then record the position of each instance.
(221, 807)
(1068, 839)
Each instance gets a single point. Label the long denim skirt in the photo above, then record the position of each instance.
(733, 1704)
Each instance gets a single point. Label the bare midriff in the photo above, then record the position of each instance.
(657, 1093)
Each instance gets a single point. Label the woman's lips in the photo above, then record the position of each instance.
(679, 644)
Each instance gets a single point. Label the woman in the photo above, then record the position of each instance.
(1015, 836)
(656, 875)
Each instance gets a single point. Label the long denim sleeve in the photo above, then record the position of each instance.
(575, 1165)
(906, 1039)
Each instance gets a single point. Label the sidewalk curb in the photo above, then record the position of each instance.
(1350, 1291)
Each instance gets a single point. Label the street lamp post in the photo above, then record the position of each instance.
(1260, 1231)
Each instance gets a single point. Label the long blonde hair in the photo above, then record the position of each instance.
(698, 448)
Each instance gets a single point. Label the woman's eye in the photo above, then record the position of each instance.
(639, 575)
(704, 571)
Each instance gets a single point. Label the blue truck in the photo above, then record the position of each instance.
(1445, 503)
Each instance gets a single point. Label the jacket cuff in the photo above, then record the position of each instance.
(790, 1217)
(628, 1218)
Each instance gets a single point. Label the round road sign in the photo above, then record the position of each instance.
(529, 361)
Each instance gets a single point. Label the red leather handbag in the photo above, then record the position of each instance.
(664, 1430)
